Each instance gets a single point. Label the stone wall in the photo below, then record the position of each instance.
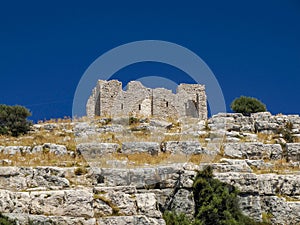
(108, 99)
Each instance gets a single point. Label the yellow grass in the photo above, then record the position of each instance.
(145, 159)
(42, 159)
(266, 138)
(281, 166)
(56, 136)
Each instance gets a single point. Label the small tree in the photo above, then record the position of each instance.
(216, 203)
(13, 120)
(247, 105)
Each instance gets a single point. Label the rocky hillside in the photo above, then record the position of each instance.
(127, 171)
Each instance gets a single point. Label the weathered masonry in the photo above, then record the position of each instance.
(108, 99)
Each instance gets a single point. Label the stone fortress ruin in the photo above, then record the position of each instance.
(109, 99)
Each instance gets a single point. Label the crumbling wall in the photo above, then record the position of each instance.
(108, 98)
(93, 103)
(130, 102)
(163, 103)
(197, 100)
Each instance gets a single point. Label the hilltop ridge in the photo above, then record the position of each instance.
(127, 170)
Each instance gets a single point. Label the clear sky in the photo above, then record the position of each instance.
(253, 47)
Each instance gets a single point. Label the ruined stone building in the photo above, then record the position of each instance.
(109, 99)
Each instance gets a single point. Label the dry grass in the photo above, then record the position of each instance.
(280, 166)
(291, 199)
(39, 139)
(266, 138)
(133, 160)
(115, 208)
(42, 159)
(139, 136)
(58, 120)
(101, 138)
(60, 135)
(201, 158)
(183, 137)
(296, 139)
(145, 159)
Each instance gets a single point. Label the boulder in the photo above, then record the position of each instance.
(160, 123)
(293, 151)
(183, 147)
(26, 219)
(97, 149)
(253, 150)
(281, 212)
(231, 122)
(147, 205)
(55, 149)
(62, 203)
(140, 147)
(84, 129)
(12, 150)
(251, 206)
(183, 202)
(130, 220)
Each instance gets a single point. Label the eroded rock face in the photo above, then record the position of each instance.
(183, 202)
(250, 204)
(293, 151)
(252, 150)
(182, 147)
(26, 178)
(45, 148)
(27, 219)
(263, 122)
(56, 203)
(134, 196)
(140, 147)
(128, 195)
(12, 150)
(231, 122)
(147, 205)
(130, 220)
(62, 203)
(56, 149)
(97, 149)
(280, 210)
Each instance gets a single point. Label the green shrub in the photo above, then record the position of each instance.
(133, 120)
(80, 171)
(216, 203)
(4, 220)
(172, 218)
(247, 105)
(13, 120)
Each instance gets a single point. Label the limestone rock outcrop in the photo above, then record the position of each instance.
(251, 153)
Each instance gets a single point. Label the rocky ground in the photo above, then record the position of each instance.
(127, 171)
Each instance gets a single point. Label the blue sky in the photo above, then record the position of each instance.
(253, 47)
